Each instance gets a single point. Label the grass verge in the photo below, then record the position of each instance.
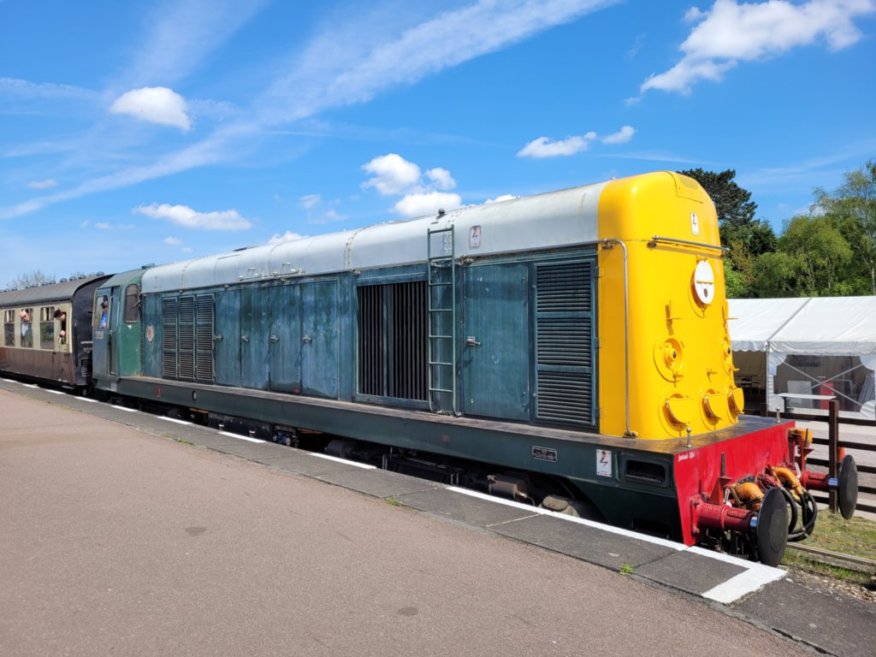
(855, 537)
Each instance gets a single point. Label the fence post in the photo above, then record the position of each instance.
(833, 449)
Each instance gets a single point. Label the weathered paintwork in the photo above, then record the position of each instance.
(117, 340)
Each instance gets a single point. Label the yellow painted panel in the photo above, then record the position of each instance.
(680, 363)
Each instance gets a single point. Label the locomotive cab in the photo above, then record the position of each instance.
(116, 328)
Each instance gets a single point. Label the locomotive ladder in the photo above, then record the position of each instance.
(442, 320)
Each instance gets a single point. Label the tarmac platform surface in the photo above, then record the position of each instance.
(117, 539)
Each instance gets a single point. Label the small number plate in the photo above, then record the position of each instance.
(544, 454)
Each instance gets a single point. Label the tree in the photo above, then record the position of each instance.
(33, 279)
(852, 211)
(776, 275)
(821, 253)
(732, 203)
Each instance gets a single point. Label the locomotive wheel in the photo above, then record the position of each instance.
(847, 490)
(772, 528)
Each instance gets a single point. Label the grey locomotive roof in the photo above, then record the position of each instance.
(44, 293)
(123, 278)
(550, 220)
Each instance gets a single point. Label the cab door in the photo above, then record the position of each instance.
(113, 323)
(103, 351)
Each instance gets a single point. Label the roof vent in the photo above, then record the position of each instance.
(440, 212)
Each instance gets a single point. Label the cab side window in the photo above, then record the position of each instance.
(101, 311)
(132, 303)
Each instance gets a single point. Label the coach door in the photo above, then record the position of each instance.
(496, 341)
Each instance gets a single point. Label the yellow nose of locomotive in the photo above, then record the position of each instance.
(665, 361)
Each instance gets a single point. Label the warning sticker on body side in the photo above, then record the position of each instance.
(603, 462)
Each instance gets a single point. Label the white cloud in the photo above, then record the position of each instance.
(730, 32)
(391, 174)
(500, 199)
(330, 216)
(172, 241)
(441, 178)
(288, 236)
(106, 225)
(182, 33)
(25, 90)
(186, 249)
(422, 203)
(309, 201)
(394, 175)
(48, 183)
(183, 215)
(346, 65)
(622, 136)
(154, 105)
(545, 147)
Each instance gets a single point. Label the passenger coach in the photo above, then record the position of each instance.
(47, 331)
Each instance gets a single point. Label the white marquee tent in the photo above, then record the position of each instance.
(805, 348)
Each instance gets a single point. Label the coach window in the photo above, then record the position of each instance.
(9, 328)
(132, 303)
(60, 316)
(47, 327)
(25, 316)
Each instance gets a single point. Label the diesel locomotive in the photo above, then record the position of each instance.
(570, 350)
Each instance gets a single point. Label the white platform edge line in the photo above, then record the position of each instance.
(174, 420)
(127, 410)
(239, 437)
(744, 583)
(580, 521)
(329, 457)
(55, 392)
(30, 385)
(86, 399)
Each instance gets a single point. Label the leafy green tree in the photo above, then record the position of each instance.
(777, 275)
(852, 211)
(821, 252)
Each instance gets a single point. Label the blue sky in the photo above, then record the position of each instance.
(149, 132)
